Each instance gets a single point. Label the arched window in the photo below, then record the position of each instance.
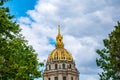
(49, 67)
(56, 78)
(63, 65)
(71, 78)
(49, 79)
(64, 78)
(56, 66)
(70, 66)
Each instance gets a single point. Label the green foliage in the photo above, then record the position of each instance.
(18, 60)
(109, 59)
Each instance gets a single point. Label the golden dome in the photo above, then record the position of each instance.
(60, 53)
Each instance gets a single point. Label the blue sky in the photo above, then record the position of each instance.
(20, 7)
(84, 24)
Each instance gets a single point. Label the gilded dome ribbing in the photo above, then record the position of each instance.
(59, 53)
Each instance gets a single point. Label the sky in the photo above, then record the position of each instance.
(84, 25)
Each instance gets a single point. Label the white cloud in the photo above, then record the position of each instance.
(84, 23)
(24, 20)
(89, 77)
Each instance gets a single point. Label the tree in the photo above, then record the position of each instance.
(109, 59)
(18, 60)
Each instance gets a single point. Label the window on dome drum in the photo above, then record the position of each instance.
(63, 65)
(49, 67)
(64, 78)
(71, 78)
(70, 66)
(56, 78)
(56, 66)
(49, 79)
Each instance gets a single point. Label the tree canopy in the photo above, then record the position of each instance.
(109, 59)
(18, 60)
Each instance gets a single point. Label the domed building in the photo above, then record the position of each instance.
(60, 64)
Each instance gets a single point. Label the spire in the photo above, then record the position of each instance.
(58, 28)
(59, 38)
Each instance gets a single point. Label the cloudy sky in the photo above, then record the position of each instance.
(84, 24)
